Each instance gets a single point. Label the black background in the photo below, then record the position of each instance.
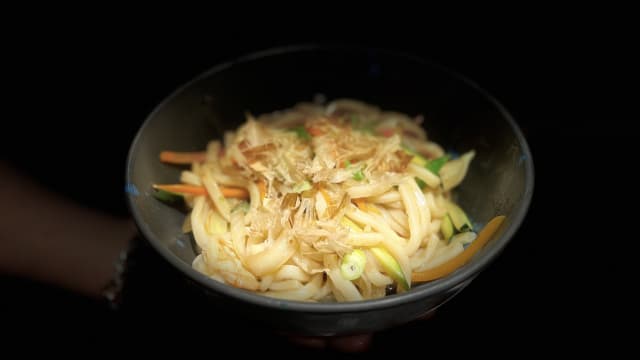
(83, 92)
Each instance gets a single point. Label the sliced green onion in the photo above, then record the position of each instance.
(355, 122)
(436, 164)
(419, 160)
(301, 132)
(459, 219)
(446, 226)
(390, 266)
(353, 264)
(167, 197)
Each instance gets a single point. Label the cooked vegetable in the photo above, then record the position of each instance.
(227, 191)
(453, 264)
(390, 266)
(436, 164)
(458, 217)
(167, 197)
(173, 157)
(421, 184)
(353, 264)
(419, 160)
(182, 189)
(432, 180)
(446, 226)
(314, 131)
(301, 132)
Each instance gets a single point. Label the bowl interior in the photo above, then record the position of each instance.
(458, 115)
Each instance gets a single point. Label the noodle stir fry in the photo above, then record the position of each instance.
(337, 202)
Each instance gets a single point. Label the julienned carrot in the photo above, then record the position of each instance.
(229, 192)
(173, 157)
(314, 131)
(451, 265)
(387, 132)
(182, 189)
(234, 192)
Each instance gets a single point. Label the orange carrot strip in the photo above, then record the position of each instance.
(227, 191)
(173, 157)
(387, 132)
(314, 131)
(182, 189)
(234, 192)
(462, 258)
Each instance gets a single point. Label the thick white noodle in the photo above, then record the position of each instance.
(216, 195)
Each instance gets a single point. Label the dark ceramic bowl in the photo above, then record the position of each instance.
(459, 115)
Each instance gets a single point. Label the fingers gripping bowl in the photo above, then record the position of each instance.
(457, 115)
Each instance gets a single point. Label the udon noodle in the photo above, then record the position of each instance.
(336, 202)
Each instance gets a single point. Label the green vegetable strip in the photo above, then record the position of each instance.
(301, 132)
(436, 164)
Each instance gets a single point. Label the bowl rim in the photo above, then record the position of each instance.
(466, 272)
